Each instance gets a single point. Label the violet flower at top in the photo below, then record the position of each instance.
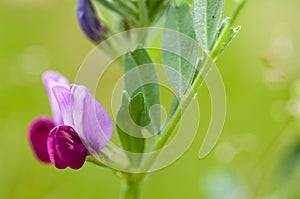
(81, 125)
(88, 20)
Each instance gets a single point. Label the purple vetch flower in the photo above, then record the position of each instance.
(88, 20)
(81, 125)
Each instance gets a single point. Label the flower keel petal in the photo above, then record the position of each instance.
(65, 148)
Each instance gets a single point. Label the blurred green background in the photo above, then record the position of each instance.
(256, 157)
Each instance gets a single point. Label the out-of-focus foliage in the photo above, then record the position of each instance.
(256, 157)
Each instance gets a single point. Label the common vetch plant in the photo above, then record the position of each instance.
(192, 37)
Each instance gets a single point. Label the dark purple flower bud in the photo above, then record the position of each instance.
(38, 135)
(88, 20)
(65, 148)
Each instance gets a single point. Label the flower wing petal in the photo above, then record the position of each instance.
(38, 135)
(92, 122)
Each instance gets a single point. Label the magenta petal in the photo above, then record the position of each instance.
(38, 135)
(50, 79)
(91, 120)
(65, 148)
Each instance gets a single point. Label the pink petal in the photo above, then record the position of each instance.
(38, 135)
(65, 148)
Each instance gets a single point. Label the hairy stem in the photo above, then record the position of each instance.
(132, 185)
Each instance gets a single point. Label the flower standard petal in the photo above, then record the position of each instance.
(65, 148)
(50, 79)
(91, 120)
(38, 135)
(64, 99)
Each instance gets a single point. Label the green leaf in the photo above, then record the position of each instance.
(207, 17)
(291, 161)
(137, 110)
(140, 94)
(157, 7)
(180, 48)
(140, 76)
(229, 37)
(122, 8)
(130, 133)
(225, 24)
(225, 35)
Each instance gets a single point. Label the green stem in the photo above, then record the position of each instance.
(132, 185)
(186, 101)
(266, 161)
(143, 13)
(124, 11)
(218, 45)
(130, 6)
(184, 104)
(239, 5)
